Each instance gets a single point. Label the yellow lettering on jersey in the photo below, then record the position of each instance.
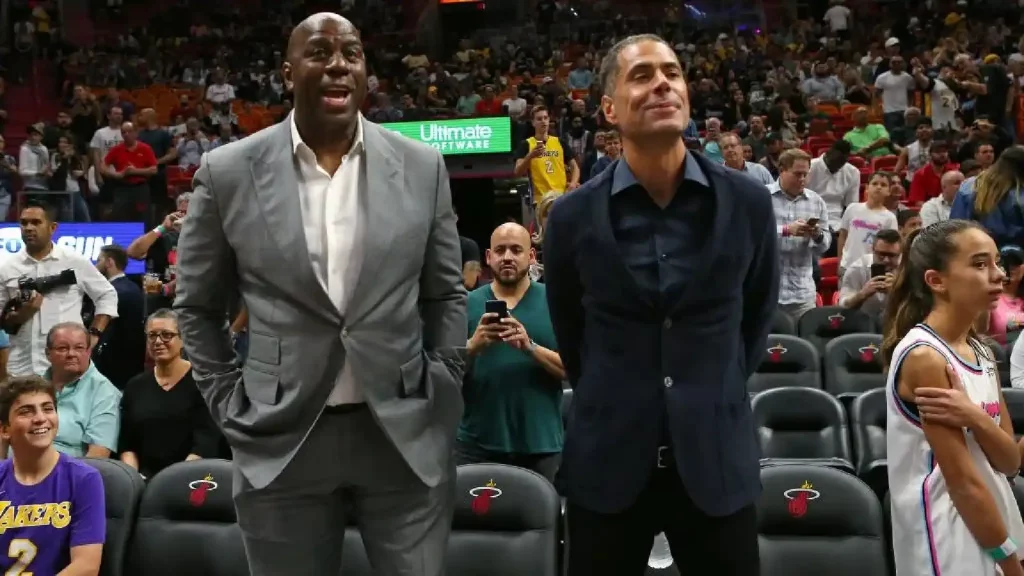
(23, 516)
(6, 516)
(53, 514)
(61, 516)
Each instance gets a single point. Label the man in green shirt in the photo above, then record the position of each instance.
(513, 382)
(867, 140)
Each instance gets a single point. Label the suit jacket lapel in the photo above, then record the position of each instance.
(607, 247)
(276, 182)
(379, 214)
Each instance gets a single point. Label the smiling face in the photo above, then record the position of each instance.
(648, 98)
(326, 71)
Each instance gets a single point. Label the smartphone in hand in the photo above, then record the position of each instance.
(498, 307)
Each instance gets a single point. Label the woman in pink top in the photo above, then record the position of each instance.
(1008, 315)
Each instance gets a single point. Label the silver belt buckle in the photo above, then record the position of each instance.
(661, 456)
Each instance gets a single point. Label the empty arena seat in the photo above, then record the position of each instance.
(814, 520)
(507, 523)
(788, 361)
(187, 525)
(890, 557)
(820, 325)
(867, 430)
(782, 323)
(1015, 406)
(853, 364)
(122, 489)
(801, 425)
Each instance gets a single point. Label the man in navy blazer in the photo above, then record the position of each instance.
(662, 278)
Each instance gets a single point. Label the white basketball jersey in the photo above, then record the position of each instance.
(929, 536)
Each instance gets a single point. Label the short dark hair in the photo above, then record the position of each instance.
(49, 210)
(842, 147)
(17, 387)
(904, 216)
(117, 254)
(612, 133)
(609, 71)
(888, 236)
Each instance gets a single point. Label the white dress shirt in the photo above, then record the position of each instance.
(935, 210)
(28, 346)
(330, 216)
(838, 190)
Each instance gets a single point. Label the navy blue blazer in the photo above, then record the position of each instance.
(637, 367)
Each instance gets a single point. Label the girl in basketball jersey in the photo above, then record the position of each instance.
(949, 439)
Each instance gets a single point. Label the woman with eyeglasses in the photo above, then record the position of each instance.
(163, 417)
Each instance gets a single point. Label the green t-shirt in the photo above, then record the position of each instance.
(513, 405)
(866, 136)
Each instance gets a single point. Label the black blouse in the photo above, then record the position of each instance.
(164, 426)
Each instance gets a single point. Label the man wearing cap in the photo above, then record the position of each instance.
(892, 48)
(34, 160)
(773, 142)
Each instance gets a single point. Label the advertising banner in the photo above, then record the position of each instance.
(461, 136)
(86, 238)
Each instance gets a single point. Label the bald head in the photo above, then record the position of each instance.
(951, 182)
(510, 231)
(510, 254)
(316, 23)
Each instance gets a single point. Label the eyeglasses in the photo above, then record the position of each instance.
(162, 336)
(65, 349)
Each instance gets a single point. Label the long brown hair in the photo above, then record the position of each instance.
(1006, 175)
(910, 300)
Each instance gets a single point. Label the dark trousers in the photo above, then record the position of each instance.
(620, 544)
(131, 202)
(544, 464)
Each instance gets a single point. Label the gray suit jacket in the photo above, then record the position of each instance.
(404, 329)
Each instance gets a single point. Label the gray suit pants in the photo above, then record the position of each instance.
(346, 472)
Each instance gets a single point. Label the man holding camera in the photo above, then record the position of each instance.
(42, 286)
(867, 281)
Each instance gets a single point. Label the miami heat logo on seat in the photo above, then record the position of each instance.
(835, 321)
(199, 490)
(775, 352)
(482, 496)
(868, 353)
(799, 497)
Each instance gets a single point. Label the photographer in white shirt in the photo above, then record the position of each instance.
(39, 258)
(867, 281)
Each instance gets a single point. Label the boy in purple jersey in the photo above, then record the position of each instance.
(52, 513)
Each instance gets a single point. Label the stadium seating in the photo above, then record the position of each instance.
(187, 523)
(801, 425)
(782, 323)
(122, 487)
(887, 517)
(867, 427)
(1002, 363)
(789, 361)
(820, 325)
(1018, 493)
(1014, 398)
(814, 520)
(853, 365)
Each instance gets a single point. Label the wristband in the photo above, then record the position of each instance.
(785, 230)
(1005, 550)
(160, 230)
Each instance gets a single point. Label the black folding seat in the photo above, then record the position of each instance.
(801, 425)
(783, 324)
(814, 521)
(187, 523)
(820, 325)
(507, 523)
(1002, 363)
(122, 489)
(867, 427)
(853, 365)
(1015, 405)
(788, 361)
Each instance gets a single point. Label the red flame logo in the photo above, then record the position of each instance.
(867, 353)
(482, 496)
(775, 353)
(835, 321)
(799, 497)
(199, 490)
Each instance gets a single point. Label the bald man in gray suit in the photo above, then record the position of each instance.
(340, 238)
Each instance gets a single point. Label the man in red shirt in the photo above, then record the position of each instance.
(489, 105)
(129, 166)
(927, 182)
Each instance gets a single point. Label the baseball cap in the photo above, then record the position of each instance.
(892, 42)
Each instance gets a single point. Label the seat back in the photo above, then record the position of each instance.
(506, 523)
(122, 489)
(1015, 405)
(867, 429)
(1002, 363)
(187, 523)
(782, 323)
(801, 425)
(814, 520)
(789, 361)
(820, 325)
(853, 364)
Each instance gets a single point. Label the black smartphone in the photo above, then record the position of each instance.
(813, 222)
(878, 270)
(498, 307)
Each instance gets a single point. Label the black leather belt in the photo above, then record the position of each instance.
(345, 408)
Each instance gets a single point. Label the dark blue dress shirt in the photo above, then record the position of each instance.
(661, 246)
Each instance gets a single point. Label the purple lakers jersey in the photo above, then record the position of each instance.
(40, 524)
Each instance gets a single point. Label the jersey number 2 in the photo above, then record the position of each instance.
(25, 552)
(549, 166)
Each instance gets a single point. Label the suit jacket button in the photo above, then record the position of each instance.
(667, 323)
(668, 382)
(344, 332)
